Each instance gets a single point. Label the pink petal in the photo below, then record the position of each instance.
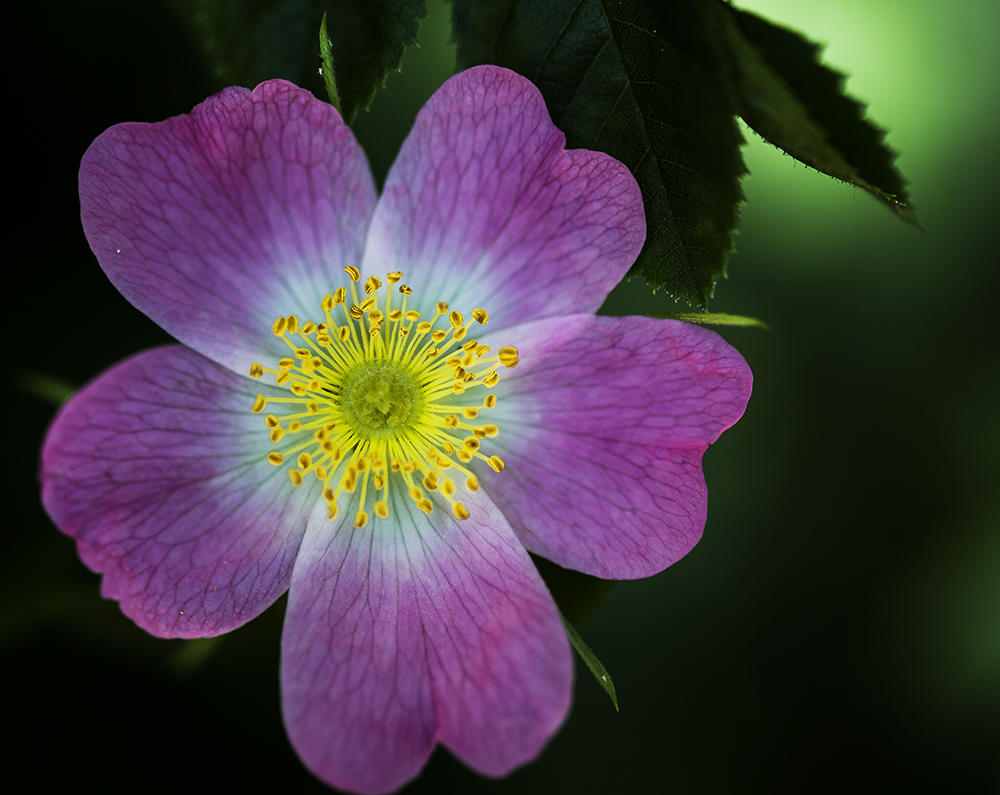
(603, 425)
(484, 208)
(413, 630)
(216, 222)
(158, 470)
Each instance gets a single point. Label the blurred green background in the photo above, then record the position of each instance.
(838, 627)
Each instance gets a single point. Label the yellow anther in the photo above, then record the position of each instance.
(367, 304)
(332, 513)
(460, 511)
(463, 455)
(295, 476)
(304, 461)
(396, 315)
(279, 326)
(256, 370)
(271, 421)
(479, 433)
(356, 313)
(456, 319)
(312, 407)
(361, 519)
(416, 493)
(442, 307)
(438, 335)
(447, 487)
(405, 290)
(425, 505)
(286, 364)
(258, 405)
(490, 400)
(343, 333)
(282, 378)
(293, 324)
(423, 328)
(480, 316)
(482, 350)
(308, 328)
(298, 389)
(327, 303)
(495, 462)
(432, 352)
(470, 413)
(393, 277)
(303, 353)
(508, 356)
(276, 434)
(472, 484)
(413, 315)
(382, 510)
(491, 378)
(275, 459)
(375, 317)
(353, 272)
(491, 430)
(470, 443)
(294, 426)
(431, 481)
(340, 296)
(372, 283)
(320, 473)
(379, 481)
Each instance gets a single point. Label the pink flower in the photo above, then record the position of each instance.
(394, 470)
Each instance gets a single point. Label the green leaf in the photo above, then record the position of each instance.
(249, 41)
(642, 81)
(713, 319)
(799, 105)
(326, 58)
(599, 671)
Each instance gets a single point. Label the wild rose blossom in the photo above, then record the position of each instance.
(381, 404)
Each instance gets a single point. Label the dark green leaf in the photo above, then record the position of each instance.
(799, 105)
(642, 81)
(599, 671)
(249, 41)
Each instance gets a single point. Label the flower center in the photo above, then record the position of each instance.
(382, 399)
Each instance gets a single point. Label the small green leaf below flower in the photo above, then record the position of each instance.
(596, 668)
